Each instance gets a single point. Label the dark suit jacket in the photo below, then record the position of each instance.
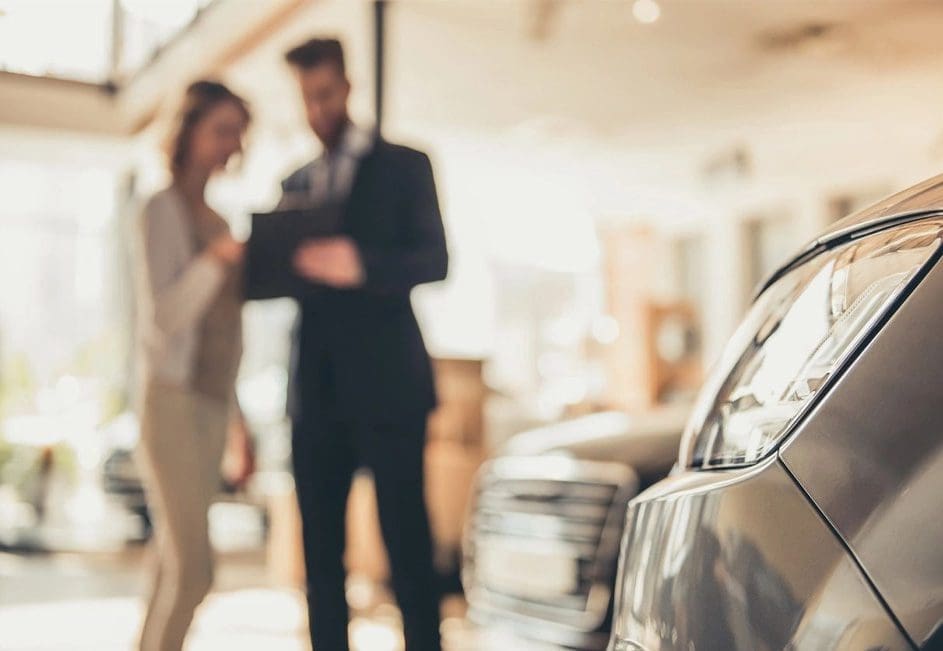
(358, 354)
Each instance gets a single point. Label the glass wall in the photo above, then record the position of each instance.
(64, 341)
(75, 44)
(95, 41)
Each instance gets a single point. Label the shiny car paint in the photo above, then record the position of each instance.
(834, 542)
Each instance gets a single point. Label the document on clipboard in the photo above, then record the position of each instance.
(275, 236)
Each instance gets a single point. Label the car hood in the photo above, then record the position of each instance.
(648, 442)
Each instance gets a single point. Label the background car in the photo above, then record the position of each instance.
(806, 510)
(543, 531)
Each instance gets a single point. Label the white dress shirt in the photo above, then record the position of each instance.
(332, 173)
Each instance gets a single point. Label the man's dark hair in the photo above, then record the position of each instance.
(316, 52)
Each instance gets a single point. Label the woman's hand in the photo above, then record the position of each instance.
(238, 463)
(227, 250)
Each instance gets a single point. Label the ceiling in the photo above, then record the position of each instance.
(705, 77)
(703, 62)
(792, 81)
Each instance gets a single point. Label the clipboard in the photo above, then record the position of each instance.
(275, 236)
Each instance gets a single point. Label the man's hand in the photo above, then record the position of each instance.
(227, 250)
(333, 261)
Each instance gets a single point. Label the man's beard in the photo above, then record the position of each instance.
(332, 139)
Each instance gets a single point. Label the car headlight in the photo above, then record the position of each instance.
(795, 338)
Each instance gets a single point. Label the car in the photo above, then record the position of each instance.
(542, 534)
(805, 512)
(121, 480)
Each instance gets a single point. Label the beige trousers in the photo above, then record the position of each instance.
(179, 453)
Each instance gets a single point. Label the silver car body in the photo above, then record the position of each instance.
(832, 542)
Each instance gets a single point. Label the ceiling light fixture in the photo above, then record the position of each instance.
(646, 11)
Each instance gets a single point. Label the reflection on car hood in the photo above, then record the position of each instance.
(647, 442)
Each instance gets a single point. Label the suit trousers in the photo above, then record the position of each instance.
(325, 455)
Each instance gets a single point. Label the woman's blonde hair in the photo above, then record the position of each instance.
(200, 99)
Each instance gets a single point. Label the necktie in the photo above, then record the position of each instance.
(331, 190)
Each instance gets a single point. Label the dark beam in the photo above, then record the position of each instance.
(379, 73)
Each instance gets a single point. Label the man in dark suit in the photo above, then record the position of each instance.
(361, 380)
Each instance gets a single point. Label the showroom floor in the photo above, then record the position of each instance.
(89, 602)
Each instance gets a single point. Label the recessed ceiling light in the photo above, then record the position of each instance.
(646, 11)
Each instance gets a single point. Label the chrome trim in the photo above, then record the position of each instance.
(839, 235)
(586, 611)
(543, 631)
(557, 467)
(520, 523)
(916, 202)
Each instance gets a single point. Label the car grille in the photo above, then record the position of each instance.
(572, 507)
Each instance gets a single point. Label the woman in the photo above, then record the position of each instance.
(189, 341)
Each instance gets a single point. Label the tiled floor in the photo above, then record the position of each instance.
(90, 603)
